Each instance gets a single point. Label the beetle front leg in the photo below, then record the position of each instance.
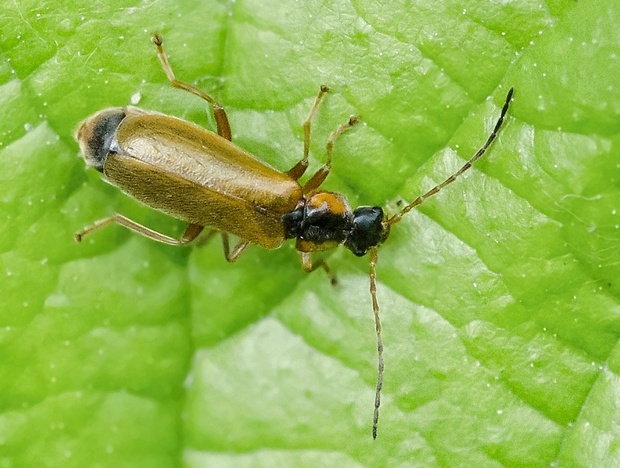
(298, 169)
(319, 176)
(308, 266)
(221, 119)
(192, 231)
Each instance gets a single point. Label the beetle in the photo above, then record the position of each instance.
(201, 177)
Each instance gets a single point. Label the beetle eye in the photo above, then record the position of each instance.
(96, 134)
(367, 231)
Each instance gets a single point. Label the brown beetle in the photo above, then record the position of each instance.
(202, 178)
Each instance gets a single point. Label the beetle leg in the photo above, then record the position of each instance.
(308, 266)
(298, 169)
(230, 256)
(221, 119)
(191, 232)
(189, 235)
(237, 250)
(204, 239)
(319, 176)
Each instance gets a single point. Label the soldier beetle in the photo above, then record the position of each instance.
(200, 177)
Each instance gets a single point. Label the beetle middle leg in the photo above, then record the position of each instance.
(231, 256)
(236, 252)
(221, 119)
(191, 232)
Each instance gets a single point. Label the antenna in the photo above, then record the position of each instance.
(422, 198)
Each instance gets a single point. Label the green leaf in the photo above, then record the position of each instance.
(499, 297)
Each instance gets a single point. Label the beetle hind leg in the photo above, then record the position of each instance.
(221, 119)
(192, 231)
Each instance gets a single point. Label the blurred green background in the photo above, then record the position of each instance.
(500, 297)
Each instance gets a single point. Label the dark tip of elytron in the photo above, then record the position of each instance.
(100, 139)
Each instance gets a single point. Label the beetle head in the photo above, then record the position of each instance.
(368, 229)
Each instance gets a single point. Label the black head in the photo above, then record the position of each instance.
(368, 230)
(96, 135)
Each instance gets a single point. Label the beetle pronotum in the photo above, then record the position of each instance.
(202, 178)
